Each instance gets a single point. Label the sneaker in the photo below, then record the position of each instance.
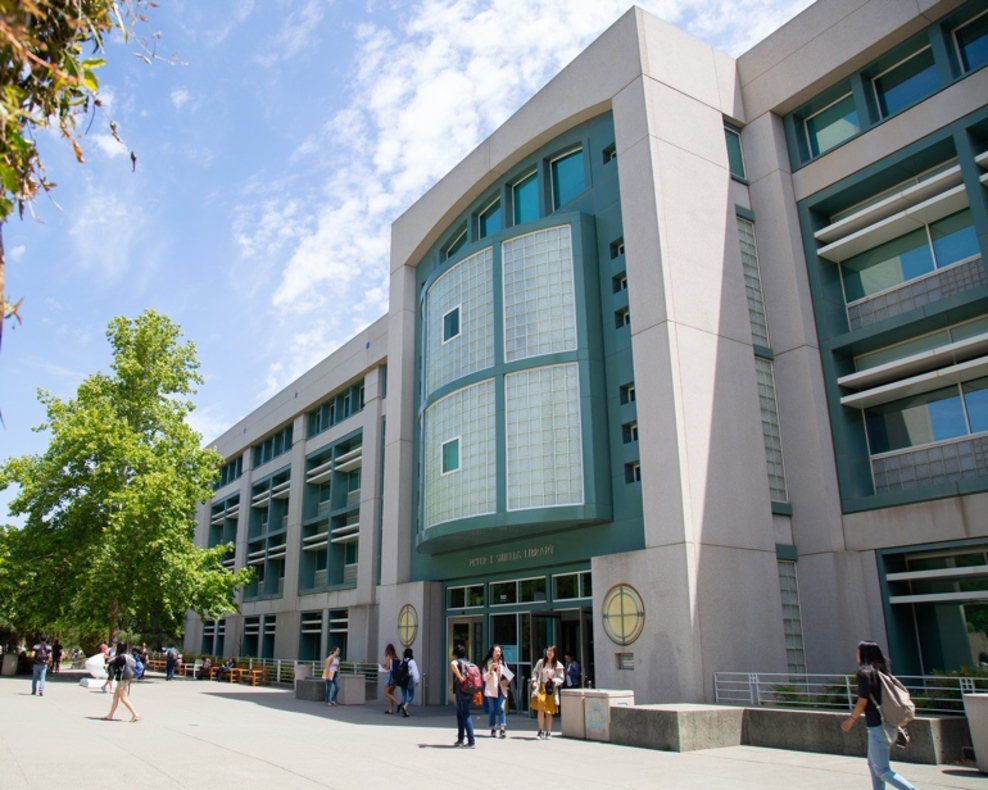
(470, 745)
(548, 735)
(458, 744)
(493, 732)
(404, 711)
(41, 693)
(503, 735)
(539, 736)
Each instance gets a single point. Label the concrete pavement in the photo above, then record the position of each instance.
(218, 736)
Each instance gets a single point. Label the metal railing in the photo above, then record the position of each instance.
(933, 694)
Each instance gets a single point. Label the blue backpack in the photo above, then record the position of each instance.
(138, 667)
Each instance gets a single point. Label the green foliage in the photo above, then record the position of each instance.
(110, 506)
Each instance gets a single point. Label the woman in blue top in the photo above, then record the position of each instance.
(871, 661)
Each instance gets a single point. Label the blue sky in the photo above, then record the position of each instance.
(271, 161)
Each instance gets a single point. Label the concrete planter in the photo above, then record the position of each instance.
(9, 668)
(976, 707)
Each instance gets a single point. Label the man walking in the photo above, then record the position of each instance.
(42, 656)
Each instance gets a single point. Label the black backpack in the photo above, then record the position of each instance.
(401, 674)
(41, 654)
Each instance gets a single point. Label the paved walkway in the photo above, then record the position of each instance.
(218, 736)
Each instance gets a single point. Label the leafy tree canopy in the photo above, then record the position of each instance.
(110, 506)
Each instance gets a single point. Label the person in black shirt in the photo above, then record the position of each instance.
(121, 669)
(871, 661)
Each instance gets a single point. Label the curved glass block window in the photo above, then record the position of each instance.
(460, 304)
(490, 219)
(735, 156)
(451, 456)
(906, 82)
(544, 440)
(525, 196)
(568, 179)
(920, 419)
(936, 246)
(972, 43)
(467, 416)
(451, 324)
(539, 294)
(832, 125)
(771, 431)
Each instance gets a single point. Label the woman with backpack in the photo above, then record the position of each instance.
(389, 665)
(408, 690)
(871, 662)
(463, 691)
(547, 678)
(495, 691)
(122, 670)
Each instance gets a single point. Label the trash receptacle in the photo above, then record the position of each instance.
(9, 667)
(597, 704)
(571, 713)
(976, 708)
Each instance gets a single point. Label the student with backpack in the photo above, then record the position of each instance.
(466, 683)
(39, 666)
(878, 693)
(407, 677)
(122, 669)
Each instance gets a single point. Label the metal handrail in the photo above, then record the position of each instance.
(933, 694)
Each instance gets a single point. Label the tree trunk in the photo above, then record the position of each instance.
(114, 613)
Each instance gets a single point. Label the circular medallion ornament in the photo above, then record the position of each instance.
(408, 625)
(624, 614)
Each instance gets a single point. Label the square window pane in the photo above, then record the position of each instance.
(568, 179)
(475, 595)
(451, 456)
(532, 590)
(972, 43)
(503, 593)
(567, 586)
(526, 199)
(832, 126)
(906, 83)
(954, 238)
(456, 598)
(451, 324)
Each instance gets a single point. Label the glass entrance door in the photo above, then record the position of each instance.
(468, 631)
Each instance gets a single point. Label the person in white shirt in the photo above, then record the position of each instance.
(414, 678)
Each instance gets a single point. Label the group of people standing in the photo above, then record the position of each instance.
(401, 674)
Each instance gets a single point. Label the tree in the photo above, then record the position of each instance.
(45, 80)
(110, 506)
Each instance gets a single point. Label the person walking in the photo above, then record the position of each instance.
(414, 677)
(122, 670)
(390, 662)
(171, 661)
(39, 666)
(871, 661)
(108, 655)
(572, 670)
(547, 677)
(331, 674)
(495, 691)
(56, 656)
(464, 697)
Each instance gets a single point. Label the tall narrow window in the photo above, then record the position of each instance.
(753, 283)
(771, 431)
(451, 324)
(490, 219)
(525, 196)
(792, 618)
(735, 156)
(568, 179)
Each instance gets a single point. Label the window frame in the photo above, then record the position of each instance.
(728, 131)
(805, 123)
(880, 104)
(958, 51)
(459, 324)
(575, 151)
(443, 470)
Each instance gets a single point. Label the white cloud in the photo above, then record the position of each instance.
(298, 32)
(180, 97)
(426, 92)
(109, 145)
(210, 422)
(17, 253)
(105, 229)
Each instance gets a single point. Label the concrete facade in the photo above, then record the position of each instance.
(708, 469)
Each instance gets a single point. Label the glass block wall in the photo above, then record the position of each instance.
(539, 294)
(471, 490)
(468, 286)
(544, 437)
